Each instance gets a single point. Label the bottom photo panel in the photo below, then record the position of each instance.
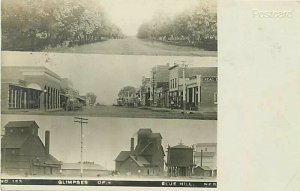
(103, 151)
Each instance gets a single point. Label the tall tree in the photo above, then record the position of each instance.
(127, 91)
(92, 97)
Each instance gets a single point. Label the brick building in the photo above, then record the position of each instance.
(23, 152)
(200, 85)
(147, 158)
(159, 79)
(145, 92)
(30, 88)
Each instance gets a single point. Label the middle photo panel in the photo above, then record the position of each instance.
(110, 85)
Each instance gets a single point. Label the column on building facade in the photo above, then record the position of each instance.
(59, 100)
(58, 104)
(9, 96)
(25, 100)
(15, 99)
(19, 99)
(193, 95)
(52, 95)
(199, 88)
(48, 98)
(187, 95)
(10, 99)
(54, 98)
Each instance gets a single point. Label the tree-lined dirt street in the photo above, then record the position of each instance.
(135, 46)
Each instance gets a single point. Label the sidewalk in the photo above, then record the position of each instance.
(204, 115)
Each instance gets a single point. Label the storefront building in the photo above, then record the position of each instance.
(26, 88)
(199, 85)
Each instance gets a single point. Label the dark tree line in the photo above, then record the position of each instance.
(195, 28)
(37, 24)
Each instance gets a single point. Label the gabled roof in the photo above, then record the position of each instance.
(20, 124)
(123, 155)
(181, 146)
(156, 135)
(86, 166)
(144, 131)
(13, 142)
(140, 161)
(204, 167)
(52, 160)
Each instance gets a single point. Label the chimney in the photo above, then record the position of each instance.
(132, 145)
(47, 141)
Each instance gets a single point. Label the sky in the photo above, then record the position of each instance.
(105, 137)
(130, 14)
(103, 75)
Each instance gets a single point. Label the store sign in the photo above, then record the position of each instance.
(209, 79)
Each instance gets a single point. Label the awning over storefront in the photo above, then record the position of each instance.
(24, 87)
(34, 86)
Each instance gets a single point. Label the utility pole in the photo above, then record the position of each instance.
(201, 156)
(81, 121)
(153, 85)
(4, 152)
(184, 66)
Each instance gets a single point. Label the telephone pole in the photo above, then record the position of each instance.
(81, 121)
(184, 66)
(4, 152)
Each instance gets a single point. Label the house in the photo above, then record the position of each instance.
(147, 158)
(203, 171)
(23, 152)
(90, 169)
(180, 160)
(206, 155)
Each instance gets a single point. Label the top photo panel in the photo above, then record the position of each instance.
(131, 27)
